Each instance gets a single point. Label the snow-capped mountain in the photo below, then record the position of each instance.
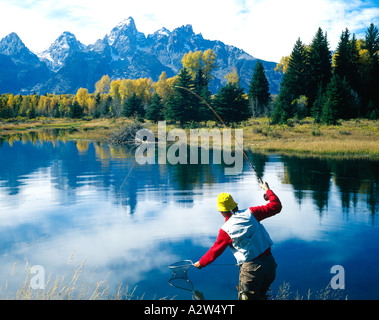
(124, 52)
(20, 69)
(56, 55)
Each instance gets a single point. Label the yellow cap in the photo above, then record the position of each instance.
(225, 202)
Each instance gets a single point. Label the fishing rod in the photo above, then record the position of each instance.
(223, 123)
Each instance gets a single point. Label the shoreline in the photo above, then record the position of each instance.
(358, 138)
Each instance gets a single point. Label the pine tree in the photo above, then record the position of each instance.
(372, 41)
(371, 81)
(298, 71)
(180, 103)
(230, 103)
(76, 110)
(201, 88)
(320, 68)
(294, 84)
(340, 103)
(347, 59)
(133, 106)
(155, 109)
(318, 104)
(283, 106)
(259, 91)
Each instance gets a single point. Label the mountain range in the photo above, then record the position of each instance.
(124, 52)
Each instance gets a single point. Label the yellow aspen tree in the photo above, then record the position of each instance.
(232, 76)
(282, 66)
(42, 107)
(209, 61)
(81, 96)
(126, 89)
(54, 102)
(164, 85)
(143, 89)
(192, 61)
(11, 101)
(103, 85)
(91, 103)
(115, 86)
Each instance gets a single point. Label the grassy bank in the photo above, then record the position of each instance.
(354, 138)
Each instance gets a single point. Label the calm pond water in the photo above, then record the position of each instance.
(63, 201)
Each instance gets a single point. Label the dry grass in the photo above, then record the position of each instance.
(354, 138)
(76, 287)
(284, 293)
(357, 138)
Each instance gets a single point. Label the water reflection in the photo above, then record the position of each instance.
(59, 196)
(354, 178)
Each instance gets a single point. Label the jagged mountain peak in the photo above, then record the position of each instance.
(186, 29)
(126, 30)
(11, 44)
(66, 41)
(60, 49)
(163, 32)
(126, 23)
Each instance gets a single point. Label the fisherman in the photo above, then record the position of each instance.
(249, 242)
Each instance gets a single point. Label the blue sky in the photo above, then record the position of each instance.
(266, 29)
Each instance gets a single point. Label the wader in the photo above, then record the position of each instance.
(255, 278)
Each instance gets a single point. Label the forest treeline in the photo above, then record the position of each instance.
(316, 83)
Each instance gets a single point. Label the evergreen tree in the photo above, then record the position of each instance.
(294, 84)
(347, 60)
(201, 88)
(372, 41)
(179, 106)
(56, 113)
(340, 103)
(31, 113)
(298, 71)
(371, 80)
(318, 104)
(283, 108)
(230, 103)
(133, 106)
(320, 68)
(76, 110)
(154, 110)
(259, 91)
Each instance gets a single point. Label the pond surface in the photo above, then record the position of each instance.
(63, 202)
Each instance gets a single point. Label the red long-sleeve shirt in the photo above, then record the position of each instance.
(223, 240)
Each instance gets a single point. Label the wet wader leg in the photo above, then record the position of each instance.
(256, 277)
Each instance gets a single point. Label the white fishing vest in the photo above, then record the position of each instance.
(249, 237)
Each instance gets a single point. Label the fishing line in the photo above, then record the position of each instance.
(223, 123)
(126, 178)
(181, 267)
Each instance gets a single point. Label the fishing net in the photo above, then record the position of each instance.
(180, 268)
(179, 278)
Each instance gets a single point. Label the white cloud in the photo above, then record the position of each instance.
(267, 29)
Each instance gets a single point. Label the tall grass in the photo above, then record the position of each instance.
(285, 293)
(76, 287)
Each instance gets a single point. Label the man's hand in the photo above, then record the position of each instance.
(265, 186)
(197, 265)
